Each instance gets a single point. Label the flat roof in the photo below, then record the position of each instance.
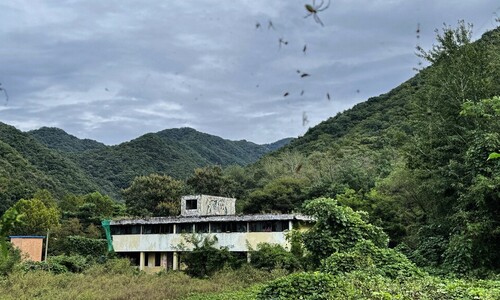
(27, 236)
(199, 219)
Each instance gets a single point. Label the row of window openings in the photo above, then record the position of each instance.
(216, 227)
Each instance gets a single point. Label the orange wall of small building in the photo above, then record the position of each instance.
(31, 248)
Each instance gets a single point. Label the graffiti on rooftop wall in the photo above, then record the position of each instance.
(217, 207)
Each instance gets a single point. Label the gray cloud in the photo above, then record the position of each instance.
(113, 70)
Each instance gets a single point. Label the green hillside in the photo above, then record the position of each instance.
(28, 165)
(50, 158)
(58, 139)
(176, 152)
(416, 158)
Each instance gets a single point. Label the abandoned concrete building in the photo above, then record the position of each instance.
(153, 243)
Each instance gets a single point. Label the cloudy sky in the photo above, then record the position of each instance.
(113, 70)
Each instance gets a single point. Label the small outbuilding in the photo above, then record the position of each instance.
(31, 246)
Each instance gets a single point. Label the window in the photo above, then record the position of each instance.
(192, 204)
(125, 229)
(228, 227)
(269, 226)
(201, 227)
(157, 259)
(158, 229)
(184, 228)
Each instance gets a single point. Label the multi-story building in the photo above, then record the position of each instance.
(157, 243)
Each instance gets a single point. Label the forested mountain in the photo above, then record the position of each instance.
(28, 165)
(58, 139)
(52, 159)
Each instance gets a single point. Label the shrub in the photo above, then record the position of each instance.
(365, 255)
(73, 263)
(8, 261)
(299, 286)
(204, 260)
(337, 229)
(55, 268)
(59, 264)
(114, 266)
(273, 256)
(79, 245)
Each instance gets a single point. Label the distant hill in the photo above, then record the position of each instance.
(58, 139)
(278, 144)
(53, 159)
(27, 165)
(176, 152)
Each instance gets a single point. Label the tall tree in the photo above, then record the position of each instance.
(210, 180)
(440, 157)
(37, 217)
(154, 195)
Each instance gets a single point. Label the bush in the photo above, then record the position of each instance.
(9, 260)
(59, 264)
(79, 245)
(55, 268)
(114, 266)
(365, 255)
(205, 259)
(73, 263)
(273, 256)
(369, 285)
(337, 229)
(299, 286)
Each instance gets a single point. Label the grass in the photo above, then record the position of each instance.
(103, 282)
(117, 280)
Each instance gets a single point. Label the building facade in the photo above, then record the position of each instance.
(157, 243)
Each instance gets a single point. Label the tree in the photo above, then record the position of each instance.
(448, 156)
(337, 229)
(154, 195)
(37, 217)
(8, 221)
(280, 195)
(211, 181)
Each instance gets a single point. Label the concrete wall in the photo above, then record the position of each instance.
(209, 206)
(31, 248)
(235, 241)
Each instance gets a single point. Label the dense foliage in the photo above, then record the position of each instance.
(273, 256)
(58, 139)
(156, 195)
(205, 259)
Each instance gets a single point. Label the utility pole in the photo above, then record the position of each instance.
(47, 244)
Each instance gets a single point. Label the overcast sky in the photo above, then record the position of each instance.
(114, 70)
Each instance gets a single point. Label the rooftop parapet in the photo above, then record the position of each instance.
(205, 205)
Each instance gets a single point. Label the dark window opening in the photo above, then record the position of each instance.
(192, 204)
(158, 229)
(134, 257)
(269, 226)
(201, 227)
(184, 228)
(157, 259)
(125, 229)
(228, 227)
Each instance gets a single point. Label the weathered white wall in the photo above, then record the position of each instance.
(235, 241)
(209, 206)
